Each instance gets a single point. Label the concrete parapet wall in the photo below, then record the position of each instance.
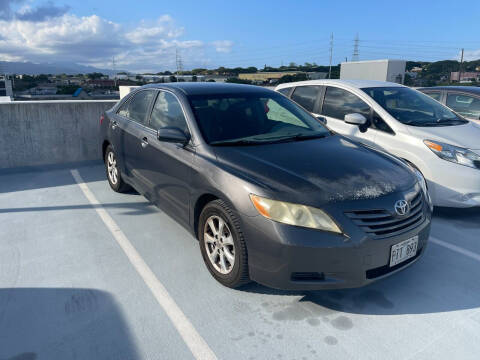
(36, 133)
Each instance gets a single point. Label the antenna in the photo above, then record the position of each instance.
(179, 61)
(331, 54)
(355, 56)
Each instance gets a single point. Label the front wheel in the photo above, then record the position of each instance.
(113, 173)
(222, 245)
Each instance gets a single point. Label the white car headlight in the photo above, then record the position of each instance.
(294, 214)
(454, 154)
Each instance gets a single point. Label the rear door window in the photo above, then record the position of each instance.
(136, 109)
(466, 105)
(306, 96)
(339, 102)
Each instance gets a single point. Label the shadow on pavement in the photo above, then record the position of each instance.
(441, 281)
(134, 208)
(62, 323)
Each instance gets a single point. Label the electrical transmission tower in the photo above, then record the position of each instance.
(114, 71)
(331, 54)
(178, 59)
(355, 56)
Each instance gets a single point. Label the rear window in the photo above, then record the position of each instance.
(306, 96)
(285, 91)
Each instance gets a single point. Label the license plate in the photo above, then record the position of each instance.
(403, 251)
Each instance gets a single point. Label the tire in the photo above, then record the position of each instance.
(113, 172)
(227, 243)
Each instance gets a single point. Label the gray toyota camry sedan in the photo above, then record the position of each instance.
(271, 194)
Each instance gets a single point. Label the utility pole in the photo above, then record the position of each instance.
(114, 72)
(331, 54)
(461, 67)
(179, 62)
(355, 56)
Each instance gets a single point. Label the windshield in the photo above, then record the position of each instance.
(411, 107)
(246, 119)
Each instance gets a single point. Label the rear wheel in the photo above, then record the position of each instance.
(222, 245)
(113, 173)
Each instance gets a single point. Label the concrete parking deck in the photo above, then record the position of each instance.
(68, 290)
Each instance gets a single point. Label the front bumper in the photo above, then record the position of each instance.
(288, 257)
(455, 185)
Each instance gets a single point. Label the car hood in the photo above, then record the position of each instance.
(318, 170)
(467, 136)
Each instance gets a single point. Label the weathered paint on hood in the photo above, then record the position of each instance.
(319, 170)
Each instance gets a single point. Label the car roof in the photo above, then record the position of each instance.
(350, 83)
(466, 89)
(210, 88)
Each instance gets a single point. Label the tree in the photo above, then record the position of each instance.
(173, 78)
(292, 78)
(235, 80)
(194, 78)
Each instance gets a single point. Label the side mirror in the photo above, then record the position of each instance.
(355, 119)
(173, 135)
(321, 119)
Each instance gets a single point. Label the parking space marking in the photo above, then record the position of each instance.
(455, 248)
(189, 334)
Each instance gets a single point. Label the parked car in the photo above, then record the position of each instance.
(391, 117)
(465, 100)
(271, 194)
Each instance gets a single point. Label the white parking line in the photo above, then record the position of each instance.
(192, 338)
(455, 248)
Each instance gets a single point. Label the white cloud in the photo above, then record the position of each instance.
(470, 55)
(223, 46)
(49, 37)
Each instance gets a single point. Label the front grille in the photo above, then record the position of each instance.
(381, 223)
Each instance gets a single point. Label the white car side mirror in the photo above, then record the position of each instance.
(355, 119)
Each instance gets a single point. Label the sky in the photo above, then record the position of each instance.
(149, 35)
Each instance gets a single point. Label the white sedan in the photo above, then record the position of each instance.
(394, 118)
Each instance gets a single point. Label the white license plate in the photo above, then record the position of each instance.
(403, 251)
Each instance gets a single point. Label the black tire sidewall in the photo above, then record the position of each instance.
(234, 278)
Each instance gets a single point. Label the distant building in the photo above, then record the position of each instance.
(466, 76)
(381, 70)
(416, 69)
(43, 89)
(6, 90)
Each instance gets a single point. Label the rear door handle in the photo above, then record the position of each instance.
(114, 125)
(144, 142)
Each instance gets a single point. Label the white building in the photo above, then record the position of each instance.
(381, 70)
(6, 90)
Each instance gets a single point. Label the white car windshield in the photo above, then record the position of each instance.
(411, 107)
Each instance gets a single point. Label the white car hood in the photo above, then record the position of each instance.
(467, 136)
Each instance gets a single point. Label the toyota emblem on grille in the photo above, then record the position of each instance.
(402, 207)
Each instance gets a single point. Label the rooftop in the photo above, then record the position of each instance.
(68, 286)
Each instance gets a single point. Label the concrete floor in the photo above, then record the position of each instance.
(68, 291)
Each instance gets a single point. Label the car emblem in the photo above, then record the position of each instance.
(402, 207)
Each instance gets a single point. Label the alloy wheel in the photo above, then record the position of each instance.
(219, 244)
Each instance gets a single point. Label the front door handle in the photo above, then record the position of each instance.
(144, 142)
(114, 125)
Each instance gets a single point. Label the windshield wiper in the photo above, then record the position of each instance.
(235, 142)
(294, 137)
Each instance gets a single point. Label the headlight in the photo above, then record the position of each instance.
(454, 154)
(294, 214)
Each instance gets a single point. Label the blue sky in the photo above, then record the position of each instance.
(144, 35)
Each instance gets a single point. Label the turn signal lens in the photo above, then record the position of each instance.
(433, 146)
